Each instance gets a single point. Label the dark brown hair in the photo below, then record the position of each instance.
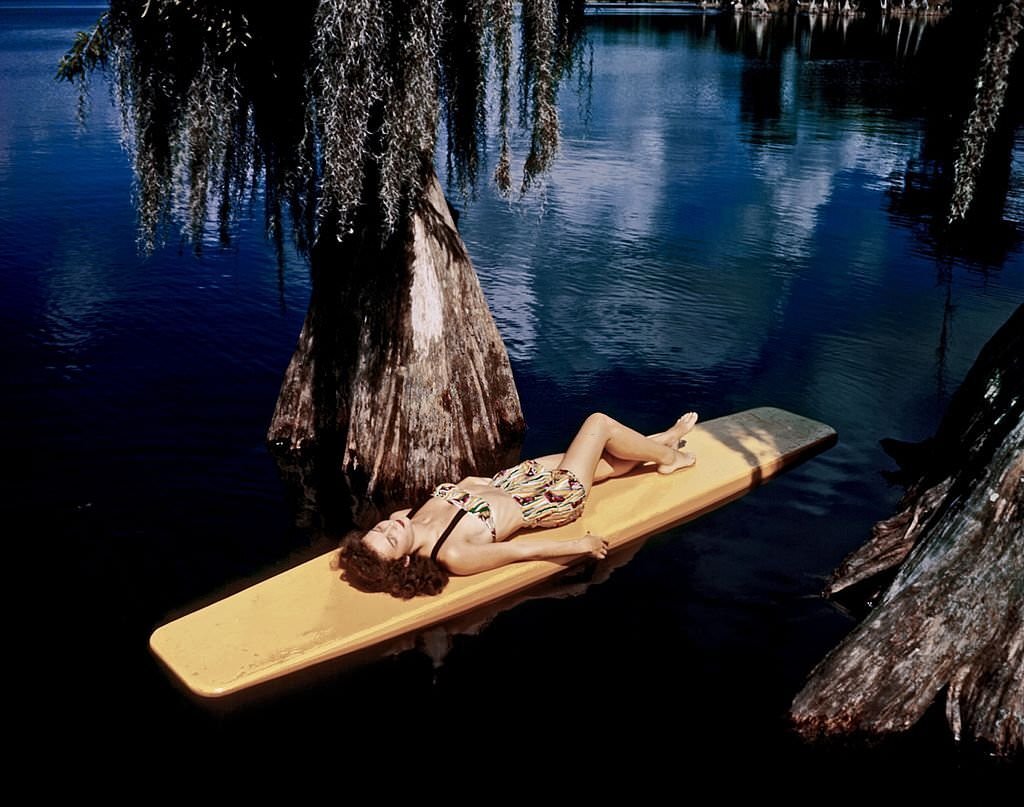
(368, 571)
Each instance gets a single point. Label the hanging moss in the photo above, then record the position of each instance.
(332, 110)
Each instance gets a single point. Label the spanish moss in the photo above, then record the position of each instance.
(332, 111)
(992, 87)
(464, 76)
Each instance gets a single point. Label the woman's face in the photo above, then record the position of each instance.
(391, 539)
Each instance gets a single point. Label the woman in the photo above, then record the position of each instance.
(414, 551)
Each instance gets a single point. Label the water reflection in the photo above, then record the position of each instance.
(438, 641)
(719, 194)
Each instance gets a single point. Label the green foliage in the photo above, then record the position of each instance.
(87, 53)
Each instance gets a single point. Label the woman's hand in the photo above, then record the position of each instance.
(593, 545)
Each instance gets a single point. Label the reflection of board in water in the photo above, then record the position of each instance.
(307, 616)
(436, 642)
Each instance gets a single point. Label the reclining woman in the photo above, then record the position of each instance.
(414, 551)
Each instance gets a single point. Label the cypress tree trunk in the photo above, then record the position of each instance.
(952, 620)
(400, 378)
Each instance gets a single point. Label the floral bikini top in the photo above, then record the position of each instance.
(467, 503)
(464, 500)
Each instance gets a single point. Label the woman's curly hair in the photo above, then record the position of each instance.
(368, 571)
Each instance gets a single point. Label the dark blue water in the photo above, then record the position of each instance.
(722, 230)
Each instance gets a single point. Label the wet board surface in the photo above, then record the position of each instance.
(308, 615)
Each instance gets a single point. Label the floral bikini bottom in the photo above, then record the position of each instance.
(548, 498)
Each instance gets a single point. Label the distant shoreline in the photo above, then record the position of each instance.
(937, 8)
(655, 7)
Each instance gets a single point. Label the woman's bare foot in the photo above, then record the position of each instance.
(684, 459)
(674, 436)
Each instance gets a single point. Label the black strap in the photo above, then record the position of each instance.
(447, 531)
(416, 509)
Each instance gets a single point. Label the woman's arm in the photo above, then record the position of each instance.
(472, 558)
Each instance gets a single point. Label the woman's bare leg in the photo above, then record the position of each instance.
(610, 466)
(603, 447)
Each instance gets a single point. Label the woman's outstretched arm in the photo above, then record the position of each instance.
(464, 559)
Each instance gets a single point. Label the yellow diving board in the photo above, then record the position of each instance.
(308, 615)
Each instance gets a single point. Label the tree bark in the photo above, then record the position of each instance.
(400, 378)
(952, 619)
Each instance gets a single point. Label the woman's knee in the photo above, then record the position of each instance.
(600, 425)
(599, 422)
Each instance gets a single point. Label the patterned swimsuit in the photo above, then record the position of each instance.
(546, 498)
(465, 500)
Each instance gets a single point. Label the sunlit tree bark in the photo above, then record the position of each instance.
(400, 377)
